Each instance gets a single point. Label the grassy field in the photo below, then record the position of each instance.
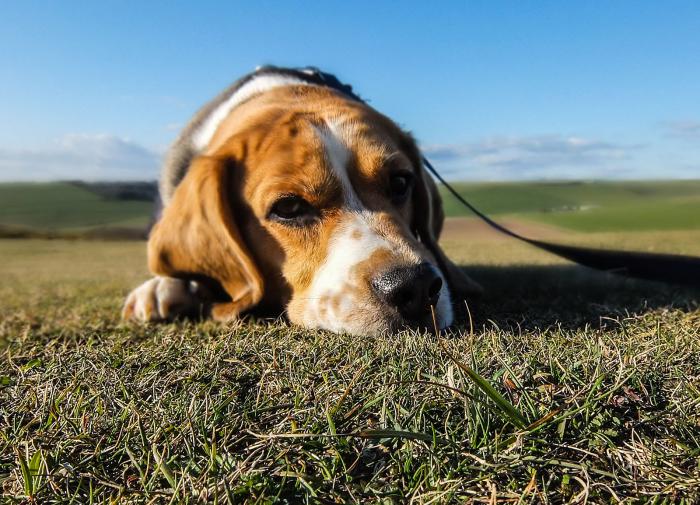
(605, 371)
(588, 207)
(68, 208)
(71, 209)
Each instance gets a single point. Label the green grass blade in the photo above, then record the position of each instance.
(165, 469)
(27, 478)
(511, 413)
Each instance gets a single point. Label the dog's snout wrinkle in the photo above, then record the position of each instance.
(411, 290)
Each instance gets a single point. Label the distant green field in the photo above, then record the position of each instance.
(64, 206)
(588, 206)
(581, 206)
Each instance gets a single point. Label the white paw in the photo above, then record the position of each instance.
(162, 299)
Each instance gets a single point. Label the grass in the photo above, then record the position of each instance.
(67, 207)
(604, 371)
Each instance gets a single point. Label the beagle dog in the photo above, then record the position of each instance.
(289, 193)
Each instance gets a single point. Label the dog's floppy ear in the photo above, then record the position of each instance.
(428, 218)
(198, 236)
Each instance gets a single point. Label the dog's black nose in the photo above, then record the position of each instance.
(412, 290)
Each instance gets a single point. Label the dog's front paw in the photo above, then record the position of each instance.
(162, 299)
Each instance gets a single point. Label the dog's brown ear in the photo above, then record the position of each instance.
(428, 218)
(198, 236)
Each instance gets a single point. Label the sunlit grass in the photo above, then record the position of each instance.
(603, 371)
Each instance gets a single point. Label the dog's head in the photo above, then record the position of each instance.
(307, 200)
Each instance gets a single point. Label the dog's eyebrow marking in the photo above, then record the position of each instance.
(335, 137)
(205, 132)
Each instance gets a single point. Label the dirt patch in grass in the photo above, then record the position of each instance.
(456, 228)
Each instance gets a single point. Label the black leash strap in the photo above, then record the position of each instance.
(670, 268)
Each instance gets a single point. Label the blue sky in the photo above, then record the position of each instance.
(492, 90)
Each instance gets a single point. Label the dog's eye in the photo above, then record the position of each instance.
(293, 210)
(400, 186)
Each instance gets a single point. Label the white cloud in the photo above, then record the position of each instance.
(535, 157)
(81, 156)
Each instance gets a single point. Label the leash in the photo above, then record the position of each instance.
(670, 268)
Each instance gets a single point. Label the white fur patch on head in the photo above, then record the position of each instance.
(336, 144)
(257, 85)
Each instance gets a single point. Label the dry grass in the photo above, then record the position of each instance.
(607, 371)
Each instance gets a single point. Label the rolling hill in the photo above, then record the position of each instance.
(68, 208)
